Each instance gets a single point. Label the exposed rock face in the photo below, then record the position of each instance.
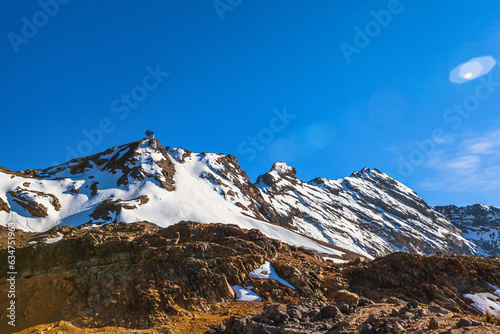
(479, 224)
(441, 279)
(230, 175)
(109, 210)
(4, 206)
(31, 200)
(134, 162)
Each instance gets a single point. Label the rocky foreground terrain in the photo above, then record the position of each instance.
(141, 278)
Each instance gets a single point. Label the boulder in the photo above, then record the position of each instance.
(347, 297)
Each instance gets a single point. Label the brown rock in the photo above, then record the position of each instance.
(398, 328)
(433, 324)
(330, 312)
(4, 206)
(347, 297)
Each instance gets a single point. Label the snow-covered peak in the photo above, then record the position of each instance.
(280, 175)
(368, 212)
(282, 168)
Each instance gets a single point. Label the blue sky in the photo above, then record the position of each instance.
(262, 81)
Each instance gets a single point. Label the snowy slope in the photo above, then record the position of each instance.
(137, 182)
(368, 212)
(479, 224)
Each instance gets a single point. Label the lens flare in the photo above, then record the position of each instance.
(468, 75)
(472, 69)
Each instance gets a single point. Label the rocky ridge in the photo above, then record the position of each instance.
(371, 212)
(478, 223)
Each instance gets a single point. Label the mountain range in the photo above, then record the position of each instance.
(368, 212)
(479, 224)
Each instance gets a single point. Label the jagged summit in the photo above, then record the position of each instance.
(282, 168)
(280, 173)
(364, 170)
(368, 212)
(136, 161)
(370, 173)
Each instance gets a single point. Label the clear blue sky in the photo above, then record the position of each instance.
(226, 76)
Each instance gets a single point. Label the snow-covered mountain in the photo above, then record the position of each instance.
(479, 224)
(368, 212)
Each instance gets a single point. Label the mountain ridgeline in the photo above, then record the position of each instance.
(479, 224)
(368, 213)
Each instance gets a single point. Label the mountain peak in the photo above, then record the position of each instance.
(282, 168)
(365, 171)
(279, 175)
(132, 162)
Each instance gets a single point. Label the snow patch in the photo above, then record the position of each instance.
(497, 290)
(282, 167)
(245, 295)
(485, 301)
(90, 227)
(266, 271)
(334, 260)
(53, 240)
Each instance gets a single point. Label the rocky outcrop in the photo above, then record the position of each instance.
(30, 200)
(4, 206)
(138, 275)
(109, 210)
(309, 317)
(440, 279)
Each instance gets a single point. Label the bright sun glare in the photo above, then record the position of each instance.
(472, 69)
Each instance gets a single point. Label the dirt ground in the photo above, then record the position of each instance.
(198, 323)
